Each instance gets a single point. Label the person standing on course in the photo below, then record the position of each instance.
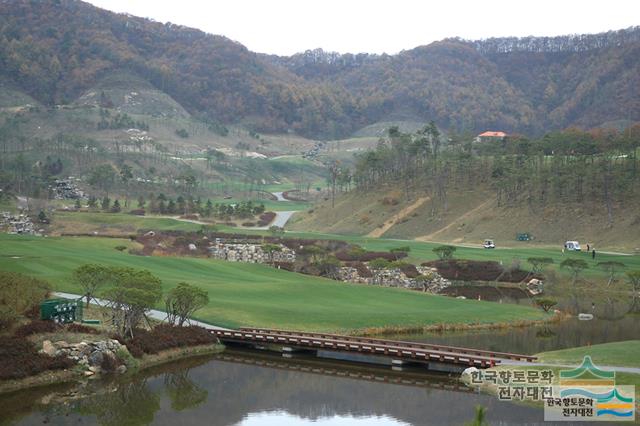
(593, 254)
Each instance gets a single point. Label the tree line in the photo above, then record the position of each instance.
(570, 166)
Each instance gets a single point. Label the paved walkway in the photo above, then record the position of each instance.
(154, 313)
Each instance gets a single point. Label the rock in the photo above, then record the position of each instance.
(95, 369)
(89, 373)
(192, 247)
(48, 348)
(61, 344)
(121, 369)
(95, 358)
(150, 234)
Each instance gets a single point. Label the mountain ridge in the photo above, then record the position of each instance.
(55, 50)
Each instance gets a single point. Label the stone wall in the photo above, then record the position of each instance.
(429, 280)
(250, 253)
(88, 355)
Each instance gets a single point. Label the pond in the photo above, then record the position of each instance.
(250, 388)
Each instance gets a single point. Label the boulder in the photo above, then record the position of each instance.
(48, 348)
(96, 358)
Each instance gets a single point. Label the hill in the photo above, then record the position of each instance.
(471, 217)
(65, 51)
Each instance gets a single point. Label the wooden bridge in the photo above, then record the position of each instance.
(369, 350)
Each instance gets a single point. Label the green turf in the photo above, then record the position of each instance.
(123, 221)
(625, 354)
(420, 251)
(256, 295)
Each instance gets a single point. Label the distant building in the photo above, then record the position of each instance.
(490, 136)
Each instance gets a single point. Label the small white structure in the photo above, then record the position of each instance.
(572, 246)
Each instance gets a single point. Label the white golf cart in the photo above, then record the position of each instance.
(488, 244)
(572, 246)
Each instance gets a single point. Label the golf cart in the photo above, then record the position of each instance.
(488, 244)
(572, 246)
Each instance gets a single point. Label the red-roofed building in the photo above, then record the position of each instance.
(491, 136)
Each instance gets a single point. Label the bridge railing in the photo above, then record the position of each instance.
(346, 344)
(416, 345)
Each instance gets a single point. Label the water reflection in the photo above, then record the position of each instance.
(236, 388)
(286, 419)
(616, 318)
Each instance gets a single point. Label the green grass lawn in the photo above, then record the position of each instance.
(83, 221)
(420, 251)
(256, 295)
(624, 354)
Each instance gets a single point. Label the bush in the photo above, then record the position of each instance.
(79, 328)
(166, 336)
(19, 294)
(120, 248)
(366, 256)
(138, 212)
(379, 263)
(266, 218)
(475, 270)
(248, 224)
(36, 327)
(445, 252)
(20, 359)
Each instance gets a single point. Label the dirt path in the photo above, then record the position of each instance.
(378, 232)
(453, 223)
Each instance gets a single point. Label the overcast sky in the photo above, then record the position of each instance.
(285, 27)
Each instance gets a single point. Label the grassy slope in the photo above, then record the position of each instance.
(625, 354)
(473, 216)
(255, 295)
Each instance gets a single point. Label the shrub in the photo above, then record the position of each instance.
(379, 263)
(19, 294)
(137, 212)
(79, 328)
(166, 336)
(444, 252)
(249, 224)
(545, 303)
(266, 218)
(20, 358)
(367, 256)
(475, 270)
(120, 248)
(36, 327)
(109, 363)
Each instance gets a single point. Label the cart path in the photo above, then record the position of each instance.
(154, 313)
(378, 232)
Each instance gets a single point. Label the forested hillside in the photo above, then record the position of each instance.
(565, 183)
(56, 50)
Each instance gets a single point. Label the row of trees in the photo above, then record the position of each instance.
(132, 293)
(571, 166)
